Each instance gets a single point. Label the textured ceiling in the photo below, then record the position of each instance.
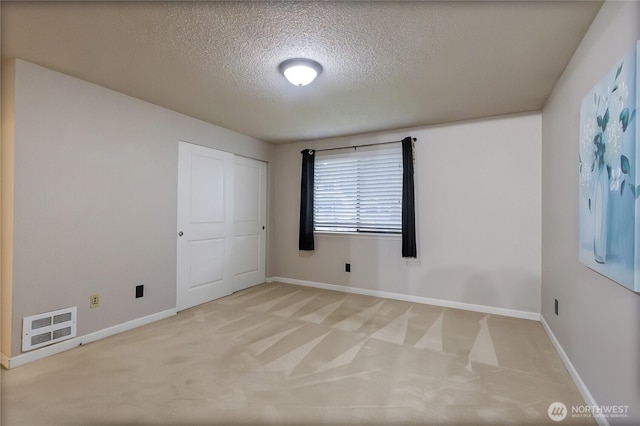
(386, 64)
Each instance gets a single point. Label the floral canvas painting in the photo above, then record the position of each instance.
(609, 193)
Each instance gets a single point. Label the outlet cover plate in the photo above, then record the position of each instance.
(94, 301)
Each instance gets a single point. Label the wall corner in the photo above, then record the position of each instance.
(7, 154)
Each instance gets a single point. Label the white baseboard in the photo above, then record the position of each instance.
(588, 398)
(27, 357)
(417, 299)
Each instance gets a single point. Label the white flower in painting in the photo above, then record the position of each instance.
(613, 142)
(617, 100)
(621, 95)
(585, 179)
(587, 152)
(587, 147)
(616, 179)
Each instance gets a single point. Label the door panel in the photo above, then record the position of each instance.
(247, 192)
(207, 190)
(206, 262)
(205, 225)
(250, 211)
(249, 246)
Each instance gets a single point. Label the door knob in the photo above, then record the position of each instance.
(180, 234)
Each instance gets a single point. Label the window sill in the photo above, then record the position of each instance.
(365, 235)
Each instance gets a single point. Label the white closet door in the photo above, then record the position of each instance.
(205, 225)
(249, 222)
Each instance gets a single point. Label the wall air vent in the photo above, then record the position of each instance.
(48, 328)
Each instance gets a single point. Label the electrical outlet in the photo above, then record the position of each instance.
(556, 306)
(139, 291)
(94, 301)
(347, 267)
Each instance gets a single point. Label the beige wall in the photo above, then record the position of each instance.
(599, 321)
(478, 218)
(95, 198)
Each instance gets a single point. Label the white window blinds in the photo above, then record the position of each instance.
(359, 192)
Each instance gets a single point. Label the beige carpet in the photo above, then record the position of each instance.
(283, 354)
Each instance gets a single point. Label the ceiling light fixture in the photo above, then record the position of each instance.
(300, 71)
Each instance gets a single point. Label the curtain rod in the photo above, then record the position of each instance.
(355, 147)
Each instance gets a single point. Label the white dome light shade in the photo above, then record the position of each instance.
(300, 75)
(299, 71)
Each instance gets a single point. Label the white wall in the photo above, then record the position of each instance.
(478, 218)
(95, 198)
(599, 321)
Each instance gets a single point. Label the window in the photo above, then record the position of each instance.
(359, 192)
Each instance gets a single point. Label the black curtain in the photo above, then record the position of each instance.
(408, 201)
(305, 241)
